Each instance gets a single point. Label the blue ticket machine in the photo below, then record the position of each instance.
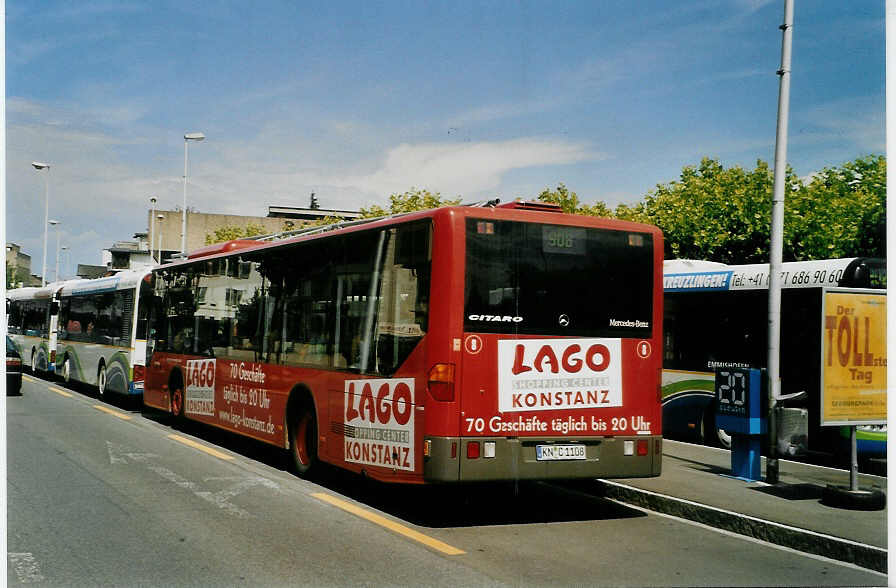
(742, 408)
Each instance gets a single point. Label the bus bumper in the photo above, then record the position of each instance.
(451, 459)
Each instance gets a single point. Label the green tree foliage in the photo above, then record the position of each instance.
(712, 212)
(841, 212)
(231, 232)
(410, 201)
(724, 215)
(569, 202)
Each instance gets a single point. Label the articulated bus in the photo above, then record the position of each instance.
(716, 316)
(458, 344)
(102, 332)
(91, 331)
(32, 322)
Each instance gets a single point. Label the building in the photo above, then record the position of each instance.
(129, 254)
(164, 232)
(18, 267)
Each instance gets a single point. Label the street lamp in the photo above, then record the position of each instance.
(183, 227)
(44, 166)
(161, 217)
(55, 223)
(152, 222)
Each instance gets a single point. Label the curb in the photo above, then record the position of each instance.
(866, 556)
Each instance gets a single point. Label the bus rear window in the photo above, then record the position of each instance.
(537, 279)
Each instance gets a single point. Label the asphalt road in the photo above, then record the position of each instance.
(100, 494)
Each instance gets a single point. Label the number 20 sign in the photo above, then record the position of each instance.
(741, 400)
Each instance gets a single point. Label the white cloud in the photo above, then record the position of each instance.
(468, 168)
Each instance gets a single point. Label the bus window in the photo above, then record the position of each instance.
(541, 279)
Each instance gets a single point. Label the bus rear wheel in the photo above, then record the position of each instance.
(67, 370)
(101, 381)
(303, 442)
(177, 401)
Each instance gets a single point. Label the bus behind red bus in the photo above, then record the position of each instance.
(457, 344)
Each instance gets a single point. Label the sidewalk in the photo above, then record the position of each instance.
(695, 485)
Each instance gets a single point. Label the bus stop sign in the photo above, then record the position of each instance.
(741, 410)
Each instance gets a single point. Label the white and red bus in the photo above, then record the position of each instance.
(451, 345)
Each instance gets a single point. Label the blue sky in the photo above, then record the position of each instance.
(358, 100)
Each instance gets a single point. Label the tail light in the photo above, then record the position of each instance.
(642, 446)
(473, 450)
(13, 361)
(441, 382)
(53, 356)
(139, 373)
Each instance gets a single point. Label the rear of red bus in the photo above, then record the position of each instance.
(545, 344)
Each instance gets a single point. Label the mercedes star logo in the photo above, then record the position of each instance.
(563, 320)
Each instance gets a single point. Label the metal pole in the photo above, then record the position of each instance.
(57, 252)
(777, 244)
(854, 461)
(161, 218)
(43, 271)
(183, 225)
(152, 225)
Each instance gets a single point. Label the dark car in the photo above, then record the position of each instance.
(13, 369)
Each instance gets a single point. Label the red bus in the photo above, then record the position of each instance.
(450, 345)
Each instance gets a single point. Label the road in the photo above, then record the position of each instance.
(100, 494)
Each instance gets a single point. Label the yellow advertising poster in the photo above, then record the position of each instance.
(854, 357)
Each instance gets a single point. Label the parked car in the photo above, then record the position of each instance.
(13, 369)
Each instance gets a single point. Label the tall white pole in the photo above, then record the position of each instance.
(43, 271)
(161, 218)
(777, 243)
(152, 224)
(183, 227)
(183, 224)
(57, 252)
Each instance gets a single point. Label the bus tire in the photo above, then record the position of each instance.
(177, 395)
(302, 439)
(67, 370)
(101, 380)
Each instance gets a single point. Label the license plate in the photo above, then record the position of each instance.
(559, 452)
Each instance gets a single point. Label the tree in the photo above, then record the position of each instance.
(721, 214)
(712, 212)
(569, 202)
(231, 232)
(410, 201)
(841, 212)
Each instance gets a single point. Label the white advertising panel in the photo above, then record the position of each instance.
(559, 374)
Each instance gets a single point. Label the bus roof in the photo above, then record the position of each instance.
(121, 281)
(515, 210)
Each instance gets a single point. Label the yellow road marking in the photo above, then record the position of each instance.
(200, 447)
(59, 391)
(391, 525)
(114, 413)
(30, 378)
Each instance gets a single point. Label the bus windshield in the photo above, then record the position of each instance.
(540, 279)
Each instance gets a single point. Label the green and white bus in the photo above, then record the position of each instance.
(32, 325)
(716, 316)
(102, 332)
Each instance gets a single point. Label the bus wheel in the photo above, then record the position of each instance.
(101, 381)
(67, 370)
(33, 362)
(177, 401)
(303, 441)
